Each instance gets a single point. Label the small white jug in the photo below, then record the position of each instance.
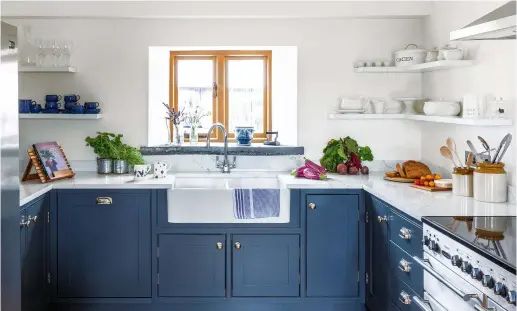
(160, 169)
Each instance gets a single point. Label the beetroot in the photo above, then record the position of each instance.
(355, 159)
(352, 170)
(365, 170)
(315, 167)
(341, 168)
(311, 174)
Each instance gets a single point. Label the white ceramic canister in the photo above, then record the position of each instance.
(410, 56)
(490, 183)
(463, 182)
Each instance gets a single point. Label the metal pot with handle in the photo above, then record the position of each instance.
(410, 56)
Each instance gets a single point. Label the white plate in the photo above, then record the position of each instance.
(350, 111)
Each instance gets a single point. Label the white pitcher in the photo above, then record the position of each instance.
(160, 169)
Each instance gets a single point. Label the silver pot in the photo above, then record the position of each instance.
(104, 166)
(120, 167)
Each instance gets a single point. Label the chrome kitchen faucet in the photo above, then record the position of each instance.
(225, 165)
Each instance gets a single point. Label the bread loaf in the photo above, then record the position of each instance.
(415, 169)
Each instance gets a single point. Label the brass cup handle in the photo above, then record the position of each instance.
(312, 206)
(219, 245)
(404, 298)
(33, 219)
(404, 265)
(405, 233)
(237, 245)
(381, 219)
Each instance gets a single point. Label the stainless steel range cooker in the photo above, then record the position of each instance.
(469, 264)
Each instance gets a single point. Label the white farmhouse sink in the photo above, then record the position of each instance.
(208, 198)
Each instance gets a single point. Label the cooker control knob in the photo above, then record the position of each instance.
(456, 261)
(427, 240)
(487, 281)
(476, 274)
(433, 245)
(500, 289)
(466, 267)
(511, 297)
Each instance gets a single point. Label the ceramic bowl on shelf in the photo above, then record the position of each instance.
(442, 108)
(411, 104)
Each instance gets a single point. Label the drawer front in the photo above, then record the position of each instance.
(392, 307)
(405, 269)
(402, 296)
(406, 234)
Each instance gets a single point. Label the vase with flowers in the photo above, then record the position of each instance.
(193, 118)
(175, 117)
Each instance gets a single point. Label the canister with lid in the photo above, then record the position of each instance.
(490, 182)
(462, 181)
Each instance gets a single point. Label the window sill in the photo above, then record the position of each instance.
(218, 148)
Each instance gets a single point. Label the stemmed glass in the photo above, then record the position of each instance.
(68, 46)
(56, 51)
(41, 52)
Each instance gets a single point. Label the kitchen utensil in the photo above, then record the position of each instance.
(410, 56)
(469, 161)
(431, 189)
(441, 108)
(351, 103)
(473, 150)
(490, 182)
(452, 147)
(446, 153)
(504, 142)
(451, 53)
(462, 182)
(431, 56)
(486, 146)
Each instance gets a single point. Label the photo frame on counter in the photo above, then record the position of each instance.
(49, 161)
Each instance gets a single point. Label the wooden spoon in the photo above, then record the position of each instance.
(469, 160)
(446, 153)
(452, 147)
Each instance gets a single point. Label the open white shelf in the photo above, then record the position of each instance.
(363, 116)
(46, 69)
(419, 117)
(425, 67)
(60, 116)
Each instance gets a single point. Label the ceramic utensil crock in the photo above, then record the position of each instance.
(463, 182)
(490, 182)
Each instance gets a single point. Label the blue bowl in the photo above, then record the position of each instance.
(244, 135)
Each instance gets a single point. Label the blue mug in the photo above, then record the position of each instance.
(77, 109)
(71, 98)
(91, 105)
(53, 98)
(24, 105)
(70, 105)
(52, 105)
(35, 108)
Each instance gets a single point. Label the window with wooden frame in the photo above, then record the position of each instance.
(234, 86)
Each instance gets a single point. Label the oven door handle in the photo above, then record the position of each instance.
(459, 292)
(422, 304)
(481, 308)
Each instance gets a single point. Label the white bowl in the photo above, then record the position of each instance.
(351, 103)
(441, 108)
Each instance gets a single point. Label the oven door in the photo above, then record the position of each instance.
(429, 303)
(446, 287)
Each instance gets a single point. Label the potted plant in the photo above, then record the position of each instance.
(103, 145)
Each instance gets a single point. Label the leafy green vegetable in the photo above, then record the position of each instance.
(339, 150)
(110, 146)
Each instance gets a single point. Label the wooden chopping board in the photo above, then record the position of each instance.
(432, 189)
(400, 179)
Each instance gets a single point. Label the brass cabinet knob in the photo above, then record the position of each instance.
(405, 233)
(312, 206)
(381, 219)
(237, 245)
(404, 298)
(404, 265)
(219, 245)
(24, 223)
(33, 219)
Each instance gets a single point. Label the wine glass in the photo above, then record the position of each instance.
(41, 53)
(56, 52)
(68, 46)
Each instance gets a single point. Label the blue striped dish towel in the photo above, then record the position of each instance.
(256, 203)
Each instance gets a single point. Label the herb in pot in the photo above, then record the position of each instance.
(345, 151)
(103, 144)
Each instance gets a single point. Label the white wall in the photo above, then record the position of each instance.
(494, 73)
(112, 60)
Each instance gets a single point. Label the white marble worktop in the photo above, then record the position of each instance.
(416, 203)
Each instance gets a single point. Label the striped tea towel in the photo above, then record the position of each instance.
(256, 203)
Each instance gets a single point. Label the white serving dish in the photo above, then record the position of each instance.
(410, 56)
(442, 108)
(351, 103)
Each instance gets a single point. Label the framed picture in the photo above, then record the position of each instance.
(52, 159)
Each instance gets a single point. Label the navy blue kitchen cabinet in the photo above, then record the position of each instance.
(103, 243)
(33, 241)
(265, 265)
(192, 265)
(333, 252)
